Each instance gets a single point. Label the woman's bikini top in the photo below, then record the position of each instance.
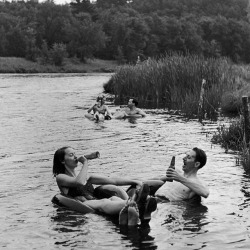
(86, 191)
(101, 109)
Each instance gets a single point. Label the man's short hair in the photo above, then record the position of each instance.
(201, 157)
(135, 102)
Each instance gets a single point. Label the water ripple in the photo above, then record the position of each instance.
(40, 113)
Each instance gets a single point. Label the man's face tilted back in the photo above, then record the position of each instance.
(130, 103)
(190, 161)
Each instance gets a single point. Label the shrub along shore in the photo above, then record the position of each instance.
(69, 65)
(174, 82)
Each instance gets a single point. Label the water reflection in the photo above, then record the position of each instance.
(245, 189)
(176, 217)
(139, 237)
(68, 221)
(73, 225)
(42, 113)
(183, 216)
(132, 120)
(194, 217)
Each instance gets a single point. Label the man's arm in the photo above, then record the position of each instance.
(100, 180)
(161, 178)
(196, 186)
(192, 183)
(141, 112)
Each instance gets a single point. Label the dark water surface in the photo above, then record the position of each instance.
(40, 113)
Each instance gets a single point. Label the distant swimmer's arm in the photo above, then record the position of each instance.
(120, 114)
(91, 108)
(142, 113)
(108, 111)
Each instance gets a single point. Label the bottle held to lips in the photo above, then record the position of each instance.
(93, 155)
(172, 165)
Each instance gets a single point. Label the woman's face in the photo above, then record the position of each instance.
(70, 159)
(103, 101)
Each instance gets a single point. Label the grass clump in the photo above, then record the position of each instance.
(232, 98)
(232, 137)
(174, 82)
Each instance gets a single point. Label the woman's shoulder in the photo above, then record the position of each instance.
(60, 177)
(63, 178)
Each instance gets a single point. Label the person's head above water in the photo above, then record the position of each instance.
(201, 157)
(132, 102)
(101, 98)
(195, 159)
(63, 157)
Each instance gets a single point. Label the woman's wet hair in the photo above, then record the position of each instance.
(201, 157)
(100, 98)
(58, 166)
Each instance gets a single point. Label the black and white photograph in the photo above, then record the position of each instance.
(124, 124)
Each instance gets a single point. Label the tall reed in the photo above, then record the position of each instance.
(232, 137)
(174, 82)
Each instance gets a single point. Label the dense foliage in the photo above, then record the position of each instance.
(230, 137)
(124, 30)
(233, 137)
(174, 82)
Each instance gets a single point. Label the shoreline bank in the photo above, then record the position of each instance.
(16, 65)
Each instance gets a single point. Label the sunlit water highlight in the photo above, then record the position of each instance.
(40, 113)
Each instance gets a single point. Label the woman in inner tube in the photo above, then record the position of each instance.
(100, 110)
(79, 186)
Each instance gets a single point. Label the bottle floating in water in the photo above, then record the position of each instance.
(172, 165)
(93, 155)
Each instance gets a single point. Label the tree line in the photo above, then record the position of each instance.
(125, 29)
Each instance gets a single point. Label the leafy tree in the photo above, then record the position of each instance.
(85, 37)
(16, 43)
(3, 41)
(51, 22)
(58, 53)
(124, 29)
(45, 53)
(106, 4)
(84, 6)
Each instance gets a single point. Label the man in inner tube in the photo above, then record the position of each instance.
(130, 111)
(176, 186)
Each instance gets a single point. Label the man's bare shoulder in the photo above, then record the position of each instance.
(125, 109)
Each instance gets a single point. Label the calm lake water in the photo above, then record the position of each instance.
(40, 113)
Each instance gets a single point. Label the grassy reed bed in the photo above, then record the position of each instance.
(232, 137)
(174, 82)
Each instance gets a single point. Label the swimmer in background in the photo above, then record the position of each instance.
(100, 110)
(130, 111)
